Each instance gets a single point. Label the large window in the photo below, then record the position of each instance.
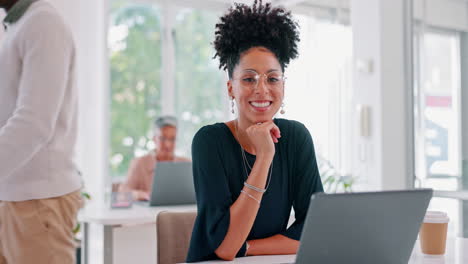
(161, 63)
(161, 60)
(201, 95)
(135, 64)
(437, 105)
(438, 116)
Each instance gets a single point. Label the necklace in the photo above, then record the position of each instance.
(245, 161)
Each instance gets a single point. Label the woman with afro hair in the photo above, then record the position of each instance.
(250, 172)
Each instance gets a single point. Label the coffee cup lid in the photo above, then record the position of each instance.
(436, 217)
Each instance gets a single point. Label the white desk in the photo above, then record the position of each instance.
(129, 234)
(457, 253)
(460, 195)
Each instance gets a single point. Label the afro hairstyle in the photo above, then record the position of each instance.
(259, 25)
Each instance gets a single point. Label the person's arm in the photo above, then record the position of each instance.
(183, 159)
(135, 174)
(244, 210)
(46, 49)
(274, 245)
(307, 181)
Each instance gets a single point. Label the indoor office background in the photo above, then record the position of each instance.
(378, 83)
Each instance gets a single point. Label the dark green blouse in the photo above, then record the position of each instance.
(219, 175)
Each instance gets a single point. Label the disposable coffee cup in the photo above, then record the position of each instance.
(433, 233)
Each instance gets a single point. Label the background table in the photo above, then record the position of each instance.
(129, 234)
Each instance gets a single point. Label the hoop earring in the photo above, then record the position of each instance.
(282, 109)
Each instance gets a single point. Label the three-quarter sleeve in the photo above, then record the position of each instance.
(306, 180)
(213, 197)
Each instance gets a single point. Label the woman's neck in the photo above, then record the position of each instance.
(242, 125)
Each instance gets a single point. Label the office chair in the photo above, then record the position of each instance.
(174, 230)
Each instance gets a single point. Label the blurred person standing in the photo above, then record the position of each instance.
(39, 182)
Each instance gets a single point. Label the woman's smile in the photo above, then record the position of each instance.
(261, 105)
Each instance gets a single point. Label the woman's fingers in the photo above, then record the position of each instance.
(264, 136)
(274, 130)
(145, 196)
(141, 195)
(273, 137)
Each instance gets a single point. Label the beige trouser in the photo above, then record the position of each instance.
(39, 231)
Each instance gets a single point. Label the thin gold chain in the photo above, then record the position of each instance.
(245, 161)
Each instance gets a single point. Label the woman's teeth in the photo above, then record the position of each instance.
(263, 104)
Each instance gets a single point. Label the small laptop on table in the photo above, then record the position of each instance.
(172, 184)
(362, 228)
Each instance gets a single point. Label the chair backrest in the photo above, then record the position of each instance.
(174, 230)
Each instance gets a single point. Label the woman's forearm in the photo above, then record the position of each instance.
(244, 211)
(274, 245)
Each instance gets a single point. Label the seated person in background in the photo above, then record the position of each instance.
(141, 171)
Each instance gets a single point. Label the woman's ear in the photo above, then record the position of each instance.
(229, 87)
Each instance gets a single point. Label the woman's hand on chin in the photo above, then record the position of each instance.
(264, 136)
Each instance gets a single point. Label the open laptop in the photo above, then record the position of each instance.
(364, 228)
(172, 184)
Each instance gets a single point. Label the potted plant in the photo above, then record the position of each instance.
(332, 180)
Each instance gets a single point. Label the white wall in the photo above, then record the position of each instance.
(397, 110)
(378, 34)
(2, 16)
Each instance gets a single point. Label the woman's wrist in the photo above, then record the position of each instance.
(267, 155)
(263, 162)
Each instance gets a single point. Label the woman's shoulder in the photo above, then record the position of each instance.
(293, 133)
(210, 133)
(210, 139)
(290, 127)
(211, 130)
(145, 160)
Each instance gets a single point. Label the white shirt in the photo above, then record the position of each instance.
(2, 16)
(38, 107)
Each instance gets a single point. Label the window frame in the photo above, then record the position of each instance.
(419, 30)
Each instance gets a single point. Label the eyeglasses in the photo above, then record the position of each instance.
(251, 79)
(168, 139)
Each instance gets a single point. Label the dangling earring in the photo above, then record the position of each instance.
(232, 105)
(282, 109)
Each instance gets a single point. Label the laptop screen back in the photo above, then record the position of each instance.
(379, 227)
(173, 184)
